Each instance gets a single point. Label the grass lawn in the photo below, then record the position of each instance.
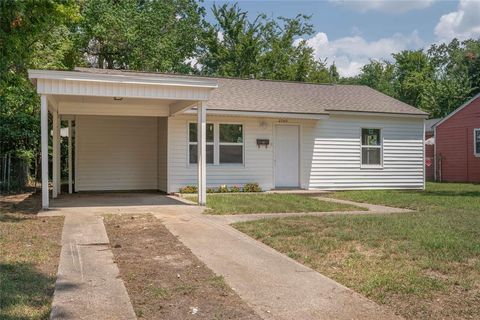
(29, 255)
(221, 204)
(424, 265)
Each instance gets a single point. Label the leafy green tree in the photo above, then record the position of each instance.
(379, 75)
(139, 34)
(333, 73)
(234, 44)
(25, 24)
(413, 73)
(32, 35)
(282, 59)
(443, 95)
(262, 48)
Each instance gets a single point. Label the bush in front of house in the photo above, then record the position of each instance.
(211, 190)
(249, 187)
(235, 189)
(189, 189)
(223, 189)
(252, 187)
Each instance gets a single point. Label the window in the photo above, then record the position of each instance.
(192, 142)
(476, 141)
(231, 143)
(228, 143)
(371, 147)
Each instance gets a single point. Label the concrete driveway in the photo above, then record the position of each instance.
(88, 284)
(276, 286)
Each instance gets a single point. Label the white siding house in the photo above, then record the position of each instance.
(139, 131)
(330, 153)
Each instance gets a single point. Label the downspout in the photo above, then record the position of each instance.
(423, 155)
(435, 153)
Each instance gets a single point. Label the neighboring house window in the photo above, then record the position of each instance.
(231, 143)
(371, 147)
(476, 141)
(192, 142)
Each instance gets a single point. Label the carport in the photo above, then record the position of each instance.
(115, 120)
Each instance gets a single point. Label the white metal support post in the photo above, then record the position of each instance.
(55, 152)
(59, 158)
(202, 153)
(70, 186)
(44, 148)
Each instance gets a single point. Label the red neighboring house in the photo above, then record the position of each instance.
(457, 144)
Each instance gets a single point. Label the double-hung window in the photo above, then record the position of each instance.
(476, 142)
(371, 148)
(224, 143)
(193, 142)
(231, 143)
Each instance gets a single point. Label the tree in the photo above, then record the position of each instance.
(333, 73)
(283, 59)
(413, 73)
(25, 24)
(32, 35)
(139, 34)
(445, 94)
(234, 44)
(262, 48)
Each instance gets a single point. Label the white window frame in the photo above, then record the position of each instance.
(216, 143)
(190, 143)
(371, 166)
(231, 144)
(475, 153)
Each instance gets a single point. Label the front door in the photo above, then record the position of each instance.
(287, 156)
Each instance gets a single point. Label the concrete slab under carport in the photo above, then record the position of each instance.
(101, 203)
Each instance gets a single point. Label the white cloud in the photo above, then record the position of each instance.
(462, 24)
(390, 6)
(351, 53)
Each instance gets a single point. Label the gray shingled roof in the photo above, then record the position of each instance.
(290, 97)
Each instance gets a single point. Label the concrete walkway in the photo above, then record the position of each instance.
(276, 286)
(87, 285)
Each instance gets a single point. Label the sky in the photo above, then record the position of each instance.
(351, 32)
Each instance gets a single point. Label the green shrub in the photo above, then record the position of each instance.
(252, 187)
(222, 189)
(235, 189)
(211, 190)
(189, 189)
(249, 187)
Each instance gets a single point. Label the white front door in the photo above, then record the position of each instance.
(287, 156)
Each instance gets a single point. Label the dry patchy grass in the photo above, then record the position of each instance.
(29, 254)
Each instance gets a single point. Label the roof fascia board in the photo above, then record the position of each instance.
(116, 78)
(378, 114)
(291, 115)
(456, 110)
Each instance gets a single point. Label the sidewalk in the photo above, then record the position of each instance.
(276, 286)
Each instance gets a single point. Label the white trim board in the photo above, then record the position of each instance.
(260, 114)
(121, 78)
